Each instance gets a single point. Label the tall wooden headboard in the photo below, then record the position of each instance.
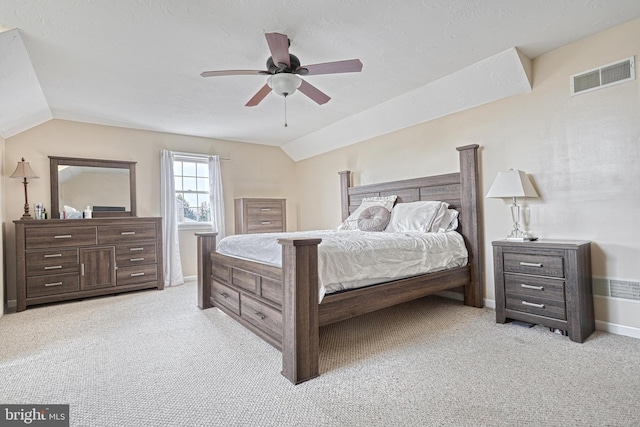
(459, 189)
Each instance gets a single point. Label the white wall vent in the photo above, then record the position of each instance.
(607, 75)
(625, 289)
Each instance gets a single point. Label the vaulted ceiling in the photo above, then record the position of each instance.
(137, 63)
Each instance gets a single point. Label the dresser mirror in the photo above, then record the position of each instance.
(107, 186)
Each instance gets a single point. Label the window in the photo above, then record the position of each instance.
(192, 190)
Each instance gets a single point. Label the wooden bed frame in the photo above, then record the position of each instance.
(281, 304)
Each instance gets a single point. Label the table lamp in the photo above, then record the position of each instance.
(24, 171)
(513, 183)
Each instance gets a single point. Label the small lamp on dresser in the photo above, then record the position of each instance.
(24, 171)
(513, 183)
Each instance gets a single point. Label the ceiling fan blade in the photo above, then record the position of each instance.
(314, 93)
(258, 97)
(279, 47)
(232, 73)
(347, 66)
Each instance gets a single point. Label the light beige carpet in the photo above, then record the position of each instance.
(152, 358)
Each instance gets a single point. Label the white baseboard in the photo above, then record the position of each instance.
(614, 328)
(190, 278)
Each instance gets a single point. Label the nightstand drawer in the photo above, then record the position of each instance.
(541, 307)
(522, 286)
(540, 265)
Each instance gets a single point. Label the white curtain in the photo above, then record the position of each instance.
(171, 247)
(216, 199)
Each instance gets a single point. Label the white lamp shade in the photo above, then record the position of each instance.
(23, 170)
(284, 84)
(512, 183)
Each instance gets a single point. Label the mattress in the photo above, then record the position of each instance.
(351, 259)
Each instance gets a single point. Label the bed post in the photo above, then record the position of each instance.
(300, 335)
(206, 245)
(345, 183)
(470, 200)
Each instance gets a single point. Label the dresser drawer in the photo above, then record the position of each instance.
(135, 254)
(126, 233)
(262, 316)
(261, 225)
(225, 296)
(136, 274)
(51, 237)
(54, 284)
(264, 209)
(542, 265)
(55, 261)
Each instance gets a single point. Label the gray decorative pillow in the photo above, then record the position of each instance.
(374, 218)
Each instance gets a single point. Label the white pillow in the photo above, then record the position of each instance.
(413, 216)
(435, 226)
(351, 223)
(449, 221)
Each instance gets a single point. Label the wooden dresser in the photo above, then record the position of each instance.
(547, 283)
(60, 260)
(260, 215)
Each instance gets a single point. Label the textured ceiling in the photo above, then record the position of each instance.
(137, 63)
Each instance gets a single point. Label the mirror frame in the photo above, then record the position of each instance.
(55, 161)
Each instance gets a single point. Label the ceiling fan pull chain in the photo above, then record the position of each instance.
(285, 110)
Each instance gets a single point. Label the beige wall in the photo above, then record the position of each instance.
(253, 170)
(582, 152)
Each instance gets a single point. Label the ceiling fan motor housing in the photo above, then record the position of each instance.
(274, 68)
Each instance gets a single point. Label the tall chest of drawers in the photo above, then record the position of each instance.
(59, 260)
(546, 282)
(260, 215)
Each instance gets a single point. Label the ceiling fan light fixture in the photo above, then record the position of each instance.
(284, 84)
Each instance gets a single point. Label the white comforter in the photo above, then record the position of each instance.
(349, 259)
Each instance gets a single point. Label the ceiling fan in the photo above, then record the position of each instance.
(284, 71)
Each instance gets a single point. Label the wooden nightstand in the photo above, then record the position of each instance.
(547, 282)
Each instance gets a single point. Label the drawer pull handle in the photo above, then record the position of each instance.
(530, 264)
(265, 209)
(137, 274)
(260, 315)
(53, 267)
(224, 295)
(136, 249)
(127, 233)
(530, 304)
(82, 269)
(53, 255)
(62, 236)
(53, 284)
(136, 259)
(266, 222)
(537, 288)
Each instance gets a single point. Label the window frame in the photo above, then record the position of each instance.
(196, 159)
